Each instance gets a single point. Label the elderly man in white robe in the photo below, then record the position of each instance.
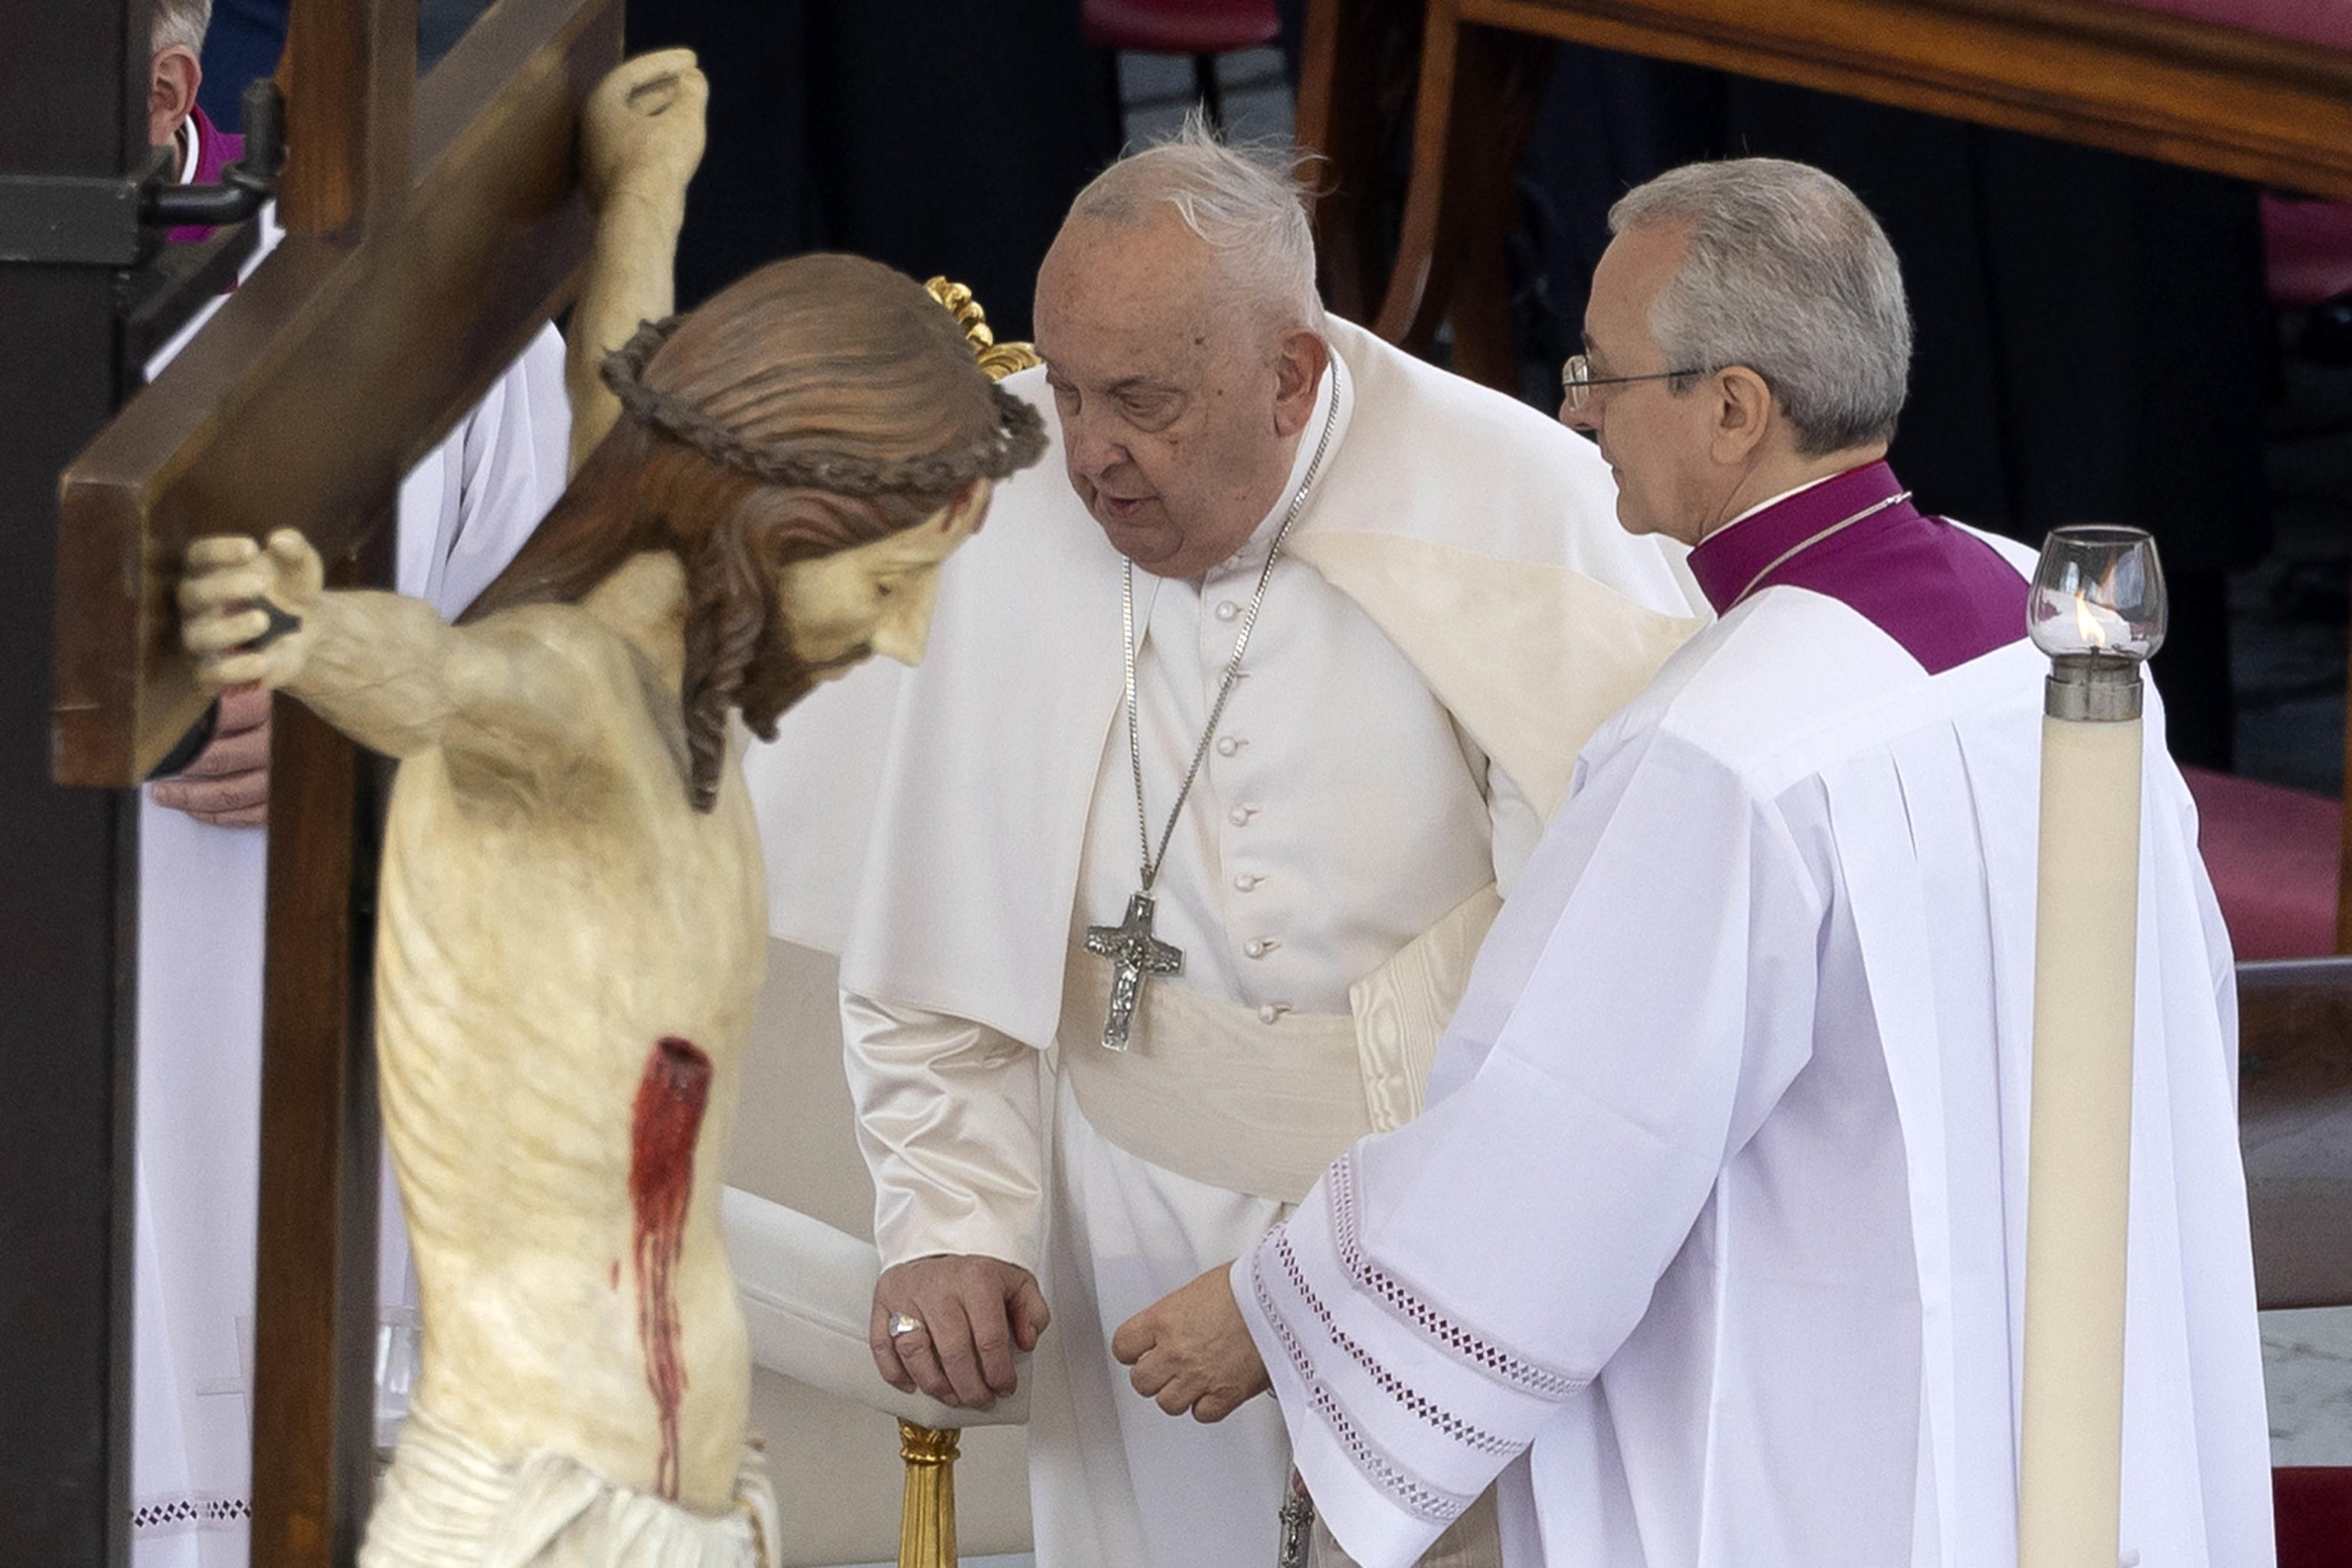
(1232, 732)
(1711, 1243)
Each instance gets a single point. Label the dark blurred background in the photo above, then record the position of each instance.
(2100, 338)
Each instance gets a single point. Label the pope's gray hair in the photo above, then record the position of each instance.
(1247, 202)
(1789, 274)
(180, 22)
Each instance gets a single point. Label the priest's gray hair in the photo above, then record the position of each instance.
(180, 22)
(1789, 274)
(1248, 201)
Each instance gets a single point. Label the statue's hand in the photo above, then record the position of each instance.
(235, 603)
(641, 129)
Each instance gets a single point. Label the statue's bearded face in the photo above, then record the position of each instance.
(1180, 398)
(837, 610)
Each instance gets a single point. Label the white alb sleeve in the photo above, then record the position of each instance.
(1421, 1319)
(950, 1119)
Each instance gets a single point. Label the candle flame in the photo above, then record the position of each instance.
(2085, 621)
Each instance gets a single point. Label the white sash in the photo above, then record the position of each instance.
(1258, 1102)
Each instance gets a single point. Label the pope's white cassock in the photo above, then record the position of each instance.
(1711, 1241)
(1454, 610)
(464, 511)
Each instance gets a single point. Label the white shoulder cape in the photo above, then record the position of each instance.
(941, 856)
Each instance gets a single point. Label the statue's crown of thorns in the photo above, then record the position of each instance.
(1016, 440)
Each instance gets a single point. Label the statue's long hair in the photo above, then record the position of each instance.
(816, 405)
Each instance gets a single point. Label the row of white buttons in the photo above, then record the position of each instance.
(1230, 745)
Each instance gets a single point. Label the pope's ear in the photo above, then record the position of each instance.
(1298, 366)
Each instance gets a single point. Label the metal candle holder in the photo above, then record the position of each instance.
(2097, 609)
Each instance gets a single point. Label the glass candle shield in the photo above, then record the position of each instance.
(2098, 589)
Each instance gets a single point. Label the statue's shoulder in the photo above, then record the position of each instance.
(561, 656)
(583, 631)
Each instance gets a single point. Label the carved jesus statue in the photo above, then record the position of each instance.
(573, 923)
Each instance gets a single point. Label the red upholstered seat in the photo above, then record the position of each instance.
(1181, 26)
(2314, 1506)
(2273, 854)
(2307, 247)
(2328, 23)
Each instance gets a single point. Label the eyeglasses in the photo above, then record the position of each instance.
(1577, 380)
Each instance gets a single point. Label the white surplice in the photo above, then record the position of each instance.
(1710, 1242)
(464, 511)
(1341, 809)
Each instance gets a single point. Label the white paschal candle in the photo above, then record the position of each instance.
(2079, 1171)
(2079, 1188)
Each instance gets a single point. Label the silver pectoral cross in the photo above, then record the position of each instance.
(1134, 952)
(1298, 1538)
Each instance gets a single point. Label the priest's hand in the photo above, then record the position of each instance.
(250, 615)
(969, 1313)
(227, 785)
(1191, 1351)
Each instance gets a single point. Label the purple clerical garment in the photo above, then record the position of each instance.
(215, 150)
(1941, 592)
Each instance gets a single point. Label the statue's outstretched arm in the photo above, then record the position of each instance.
(384, 668)
(640, 140)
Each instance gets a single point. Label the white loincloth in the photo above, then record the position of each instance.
(448, 1500)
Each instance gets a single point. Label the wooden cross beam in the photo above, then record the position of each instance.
(430, 231)
(405, 285)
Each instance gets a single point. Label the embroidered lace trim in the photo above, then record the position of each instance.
(175, 1513)
(1432, 1505)
(1465, 1346)
(1471, 1436)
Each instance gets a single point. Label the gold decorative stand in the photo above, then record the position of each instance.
(926, 1516)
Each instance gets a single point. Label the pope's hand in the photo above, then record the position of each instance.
(1191, 1351)
(971, 1311)
(641, 130)
(226, 603)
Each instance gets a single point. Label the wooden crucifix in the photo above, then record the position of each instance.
(431, 229)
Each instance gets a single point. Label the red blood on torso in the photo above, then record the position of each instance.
(671, 1097)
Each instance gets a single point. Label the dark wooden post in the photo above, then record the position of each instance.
(352, 64)
(71, 104)
(351, 69)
